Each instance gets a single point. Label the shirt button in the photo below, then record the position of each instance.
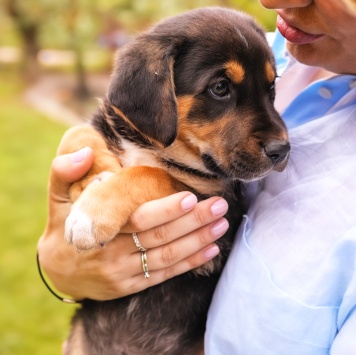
(325, 93)
(352, 84)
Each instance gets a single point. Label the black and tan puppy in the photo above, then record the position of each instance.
(190, 107)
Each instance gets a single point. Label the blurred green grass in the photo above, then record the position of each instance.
(31, 320)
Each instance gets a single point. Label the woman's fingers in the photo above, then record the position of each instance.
(178, 245)
(204, 213)
(65, 170)
(161, 225)
(157, 212)
(182, 248)
(138, 282)
(69, 168)
(189, 251)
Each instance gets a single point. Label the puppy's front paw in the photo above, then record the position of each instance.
(79, 229)
(92, 220)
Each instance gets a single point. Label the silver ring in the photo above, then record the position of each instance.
(137, 242)
(144, 264)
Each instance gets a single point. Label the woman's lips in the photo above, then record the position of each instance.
(294, 35)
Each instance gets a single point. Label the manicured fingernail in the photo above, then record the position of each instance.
(211, 252)
(220, 227)
(79, 156)
(189, 202)
(219, 207)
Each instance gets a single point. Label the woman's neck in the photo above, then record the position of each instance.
(296, 79)
(321, 74)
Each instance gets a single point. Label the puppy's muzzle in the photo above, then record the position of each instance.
(278, 152)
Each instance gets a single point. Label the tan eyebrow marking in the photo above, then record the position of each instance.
(270, 73)
(235, 71)
(185, 104)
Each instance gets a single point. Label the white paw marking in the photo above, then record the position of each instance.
(79, 229)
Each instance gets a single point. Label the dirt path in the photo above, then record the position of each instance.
(53, 95)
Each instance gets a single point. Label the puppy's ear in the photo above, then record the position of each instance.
(142, 87)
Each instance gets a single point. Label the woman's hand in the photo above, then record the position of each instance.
(178, 232)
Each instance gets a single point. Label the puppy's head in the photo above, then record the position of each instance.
(203, 84)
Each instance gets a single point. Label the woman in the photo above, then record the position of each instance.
(290, 283)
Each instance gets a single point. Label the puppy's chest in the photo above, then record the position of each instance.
(134, 155)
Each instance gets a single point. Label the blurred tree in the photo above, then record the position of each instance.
(71, 18)
(266, 18)
(28, 28)
(80, 24)
(72, 21)
(137, 14)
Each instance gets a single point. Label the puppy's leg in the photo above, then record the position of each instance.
(60, 196)
(107, 196)
(104, 160)
(104, 208)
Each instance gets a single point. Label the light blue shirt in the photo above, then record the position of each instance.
(289, 286)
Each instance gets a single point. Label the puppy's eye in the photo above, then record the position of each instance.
(220, 89)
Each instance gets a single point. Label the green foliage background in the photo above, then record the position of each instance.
(31, 320)
(90, 16)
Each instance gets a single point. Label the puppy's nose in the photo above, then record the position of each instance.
(277, 150)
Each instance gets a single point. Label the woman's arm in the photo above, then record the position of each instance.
(178, 232)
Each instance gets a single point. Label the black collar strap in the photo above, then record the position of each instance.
(63, 299)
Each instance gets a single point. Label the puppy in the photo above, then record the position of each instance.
(190, 107)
